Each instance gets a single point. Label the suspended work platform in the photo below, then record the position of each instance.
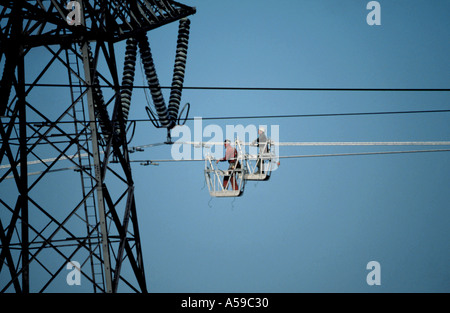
(224, 183)
(231, 182)
(259, 167)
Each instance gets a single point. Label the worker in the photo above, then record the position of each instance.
(233, 164)
(263, 144)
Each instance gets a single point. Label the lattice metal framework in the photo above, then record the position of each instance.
(45, 130)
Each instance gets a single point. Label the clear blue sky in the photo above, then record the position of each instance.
(318, 221)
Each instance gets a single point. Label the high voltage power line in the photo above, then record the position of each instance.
(305, 156)
(256, 88)
(389, 143)
(266, 89)
(265, 116)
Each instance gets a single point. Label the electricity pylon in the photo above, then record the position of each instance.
(48, 219)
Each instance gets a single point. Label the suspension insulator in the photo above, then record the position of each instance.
(179, 69)
(153, 83)
(129, 70)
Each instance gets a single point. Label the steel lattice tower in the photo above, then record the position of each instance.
(41, 230)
